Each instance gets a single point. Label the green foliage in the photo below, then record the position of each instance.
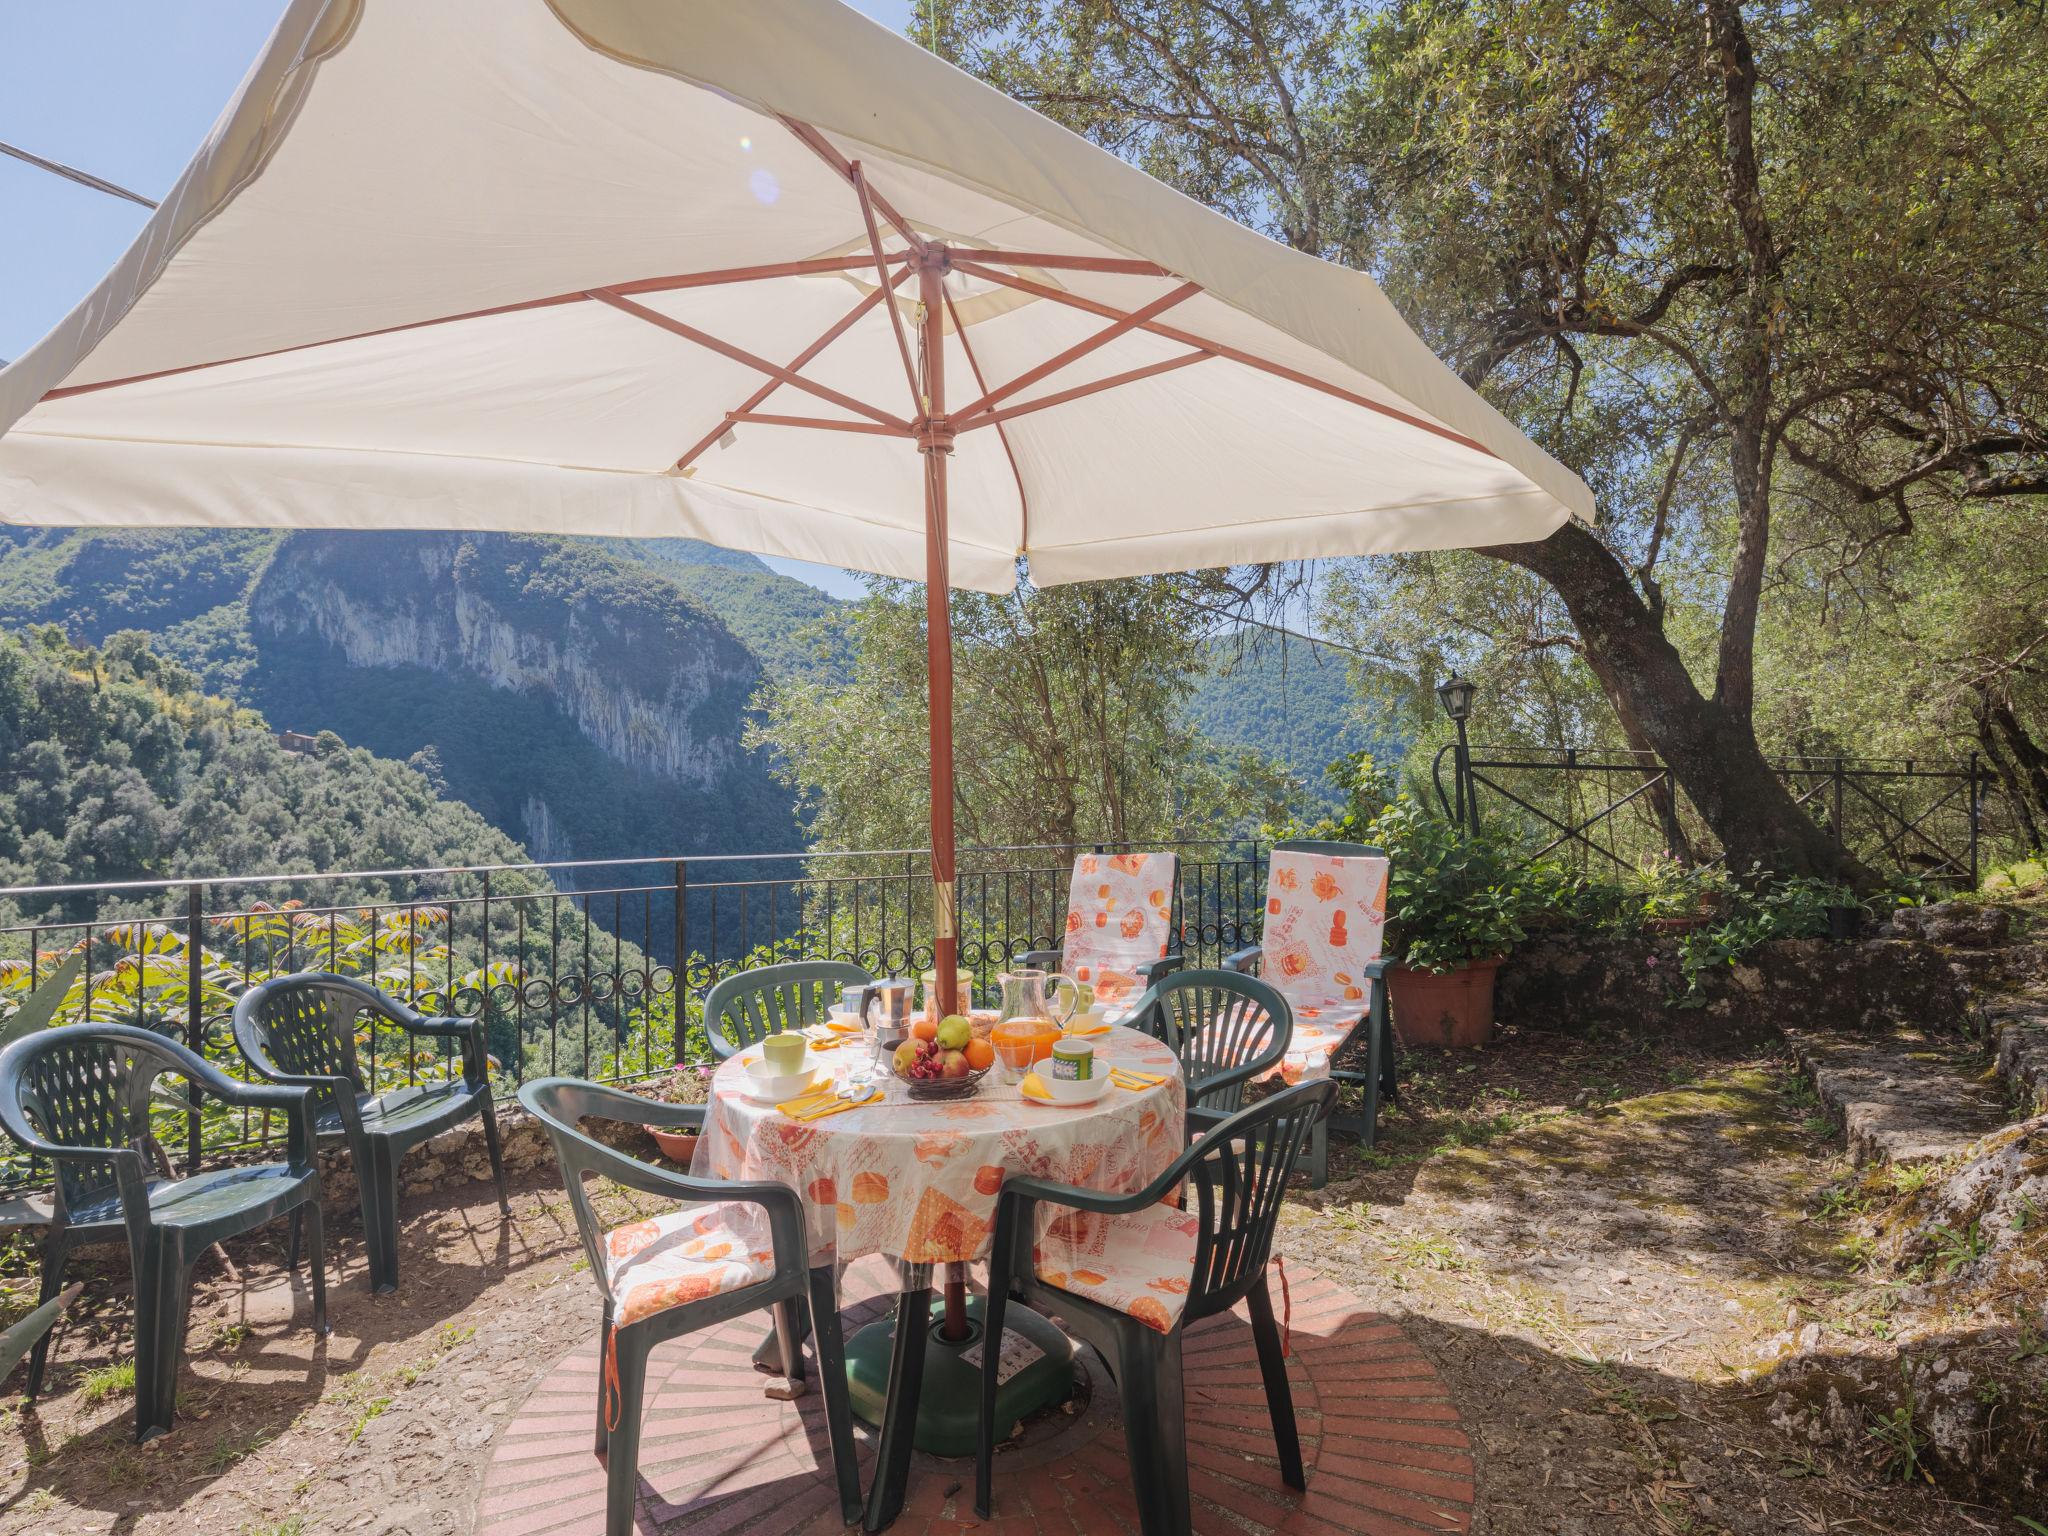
(1297, 703)
(1758, 910)
(124, 771)
(1453, 895)
(1069, 722)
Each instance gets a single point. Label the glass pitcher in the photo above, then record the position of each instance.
(1030, 1019)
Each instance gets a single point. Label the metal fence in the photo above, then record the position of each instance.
(573, 965)
(1614, 810)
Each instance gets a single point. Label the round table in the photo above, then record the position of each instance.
(918, 1181)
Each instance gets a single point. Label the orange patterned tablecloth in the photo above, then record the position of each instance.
(919, 1181)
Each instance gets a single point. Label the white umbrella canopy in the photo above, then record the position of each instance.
(763, 274)
(277, 347)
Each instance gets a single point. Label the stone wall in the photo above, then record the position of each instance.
(1926, 969)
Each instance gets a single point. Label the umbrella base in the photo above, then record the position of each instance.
(950, 1393)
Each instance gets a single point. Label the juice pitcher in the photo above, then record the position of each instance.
(1032, 1016)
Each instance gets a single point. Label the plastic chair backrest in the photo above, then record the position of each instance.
(305, 1026)
(1119, 917)
(745, 1009)
(1238, 1179)
(86, 1085)
(1217, 1020)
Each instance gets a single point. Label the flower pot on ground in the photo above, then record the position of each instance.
(1443, 1008)
(676, 1146)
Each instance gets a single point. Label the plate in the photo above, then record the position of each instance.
(1102, 1087)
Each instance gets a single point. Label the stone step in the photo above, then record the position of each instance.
(2018, 1038)
(1902, 1095)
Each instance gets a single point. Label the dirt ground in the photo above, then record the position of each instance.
(1602, 1243)
(1596, 1240)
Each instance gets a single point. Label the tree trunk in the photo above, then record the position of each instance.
(1712, 754)
(2021, 765)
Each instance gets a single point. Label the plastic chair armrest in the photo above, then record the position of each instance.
(1041, 959)
(1245, 960)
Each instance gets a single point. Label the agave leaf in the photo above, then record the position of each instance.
(41, 1005)
(21, 1338)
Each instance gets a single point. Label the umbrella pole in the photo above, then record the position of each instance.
(935, 442)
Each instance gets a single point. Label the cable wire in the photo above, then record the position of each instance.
(72, 173)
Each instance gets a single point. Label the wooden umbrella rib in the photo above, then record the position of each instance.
(980, 383)
(1079, 391)
(867, 214)
(821, 423)
(741, 355)
(1121, 326)
(810, 267)
(838, 329)
(1052, 261)
(820, 146)
(1234, 354)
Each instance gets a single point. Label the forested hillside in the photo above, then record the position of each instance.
(1294, 702)
(121, 768)
(588, 704)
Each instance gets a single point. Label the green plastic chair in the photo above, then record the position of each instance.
(301, 1030)
(746, 1009)
(1226, 1029)
(1381, 1078)
(559, 1103)
(1237, 1174)
(79, 1098)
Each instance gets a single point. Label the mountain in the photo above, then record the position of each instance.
(1294, 701)
(588, 702)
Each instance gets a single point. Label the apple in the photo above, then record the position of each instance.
(906, 1058)
(954, 1064)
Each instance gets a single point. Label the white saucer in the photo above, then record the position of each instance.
(1102, 1087)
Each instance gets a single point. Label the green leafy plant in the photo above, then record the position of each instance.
(1954, 1247)
(1454, 894)
(1897, 1436)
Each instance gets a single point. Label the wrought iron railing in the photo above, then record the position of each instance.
(573, 965)
(1615, 809)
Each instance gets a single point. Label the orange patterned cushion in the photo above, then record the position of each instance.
(1141, 1264)
(1325, 916)
(684, 1256)
(1119, 917)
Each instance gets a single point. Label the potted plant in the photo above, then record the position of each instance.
(689, 1083)
(1454, 904)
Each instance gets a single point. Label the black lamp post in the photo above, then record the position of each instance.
(1456, 693)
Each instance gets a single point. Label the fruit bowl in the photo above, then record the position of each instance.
(931, 1070)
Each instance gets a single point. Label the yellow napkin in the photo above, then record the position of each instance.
(1124, 1077)
(1089, 1029)
(843, 1026)
(1033, 1087)
(815, 1107)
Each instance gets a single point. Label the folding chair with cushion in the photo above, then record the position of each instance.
(1227, 1029)
(301, 1030)
(1119, 924)
(741, 1248)
(1129, 1273)
(79, 1098)
(746, 1009)
(1326, 911)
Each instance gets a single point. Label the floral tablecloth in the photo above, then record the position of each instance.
(919, 1181)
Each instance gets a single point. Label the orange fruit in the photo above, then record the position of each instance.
(980, 1054)
(925, 1029)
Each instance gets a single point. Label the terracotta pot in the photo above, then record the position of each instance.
(1451, 1008)
(676, 1146)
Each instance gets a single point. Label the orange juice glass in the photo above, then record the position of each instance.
(1021, 1044)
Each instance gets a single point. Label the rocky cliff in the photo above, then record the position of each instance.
(585, 704)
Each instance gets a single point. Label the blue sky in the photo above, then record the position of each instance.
(126, 89)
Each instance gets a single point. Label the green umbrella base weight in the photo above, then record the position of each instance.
(951, 1391)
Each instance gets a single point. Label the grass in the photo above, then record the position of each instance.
(1900, 1451)
(291, 1525)
(372, 1410)
(108, 1381)
(1953, 1248)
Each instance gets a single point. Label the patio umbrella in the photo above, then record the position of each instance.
(763, 274)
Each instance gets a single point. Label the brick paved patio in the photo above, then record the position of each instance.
(1380, 1438)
